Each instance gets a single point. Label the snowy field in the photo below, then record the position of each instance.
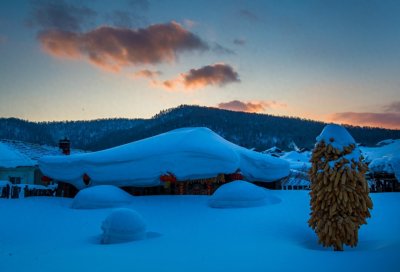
(185, 234)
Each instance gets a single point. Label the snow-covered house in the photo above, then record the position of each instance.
(182, 155)
(384, 165)
(19, 161)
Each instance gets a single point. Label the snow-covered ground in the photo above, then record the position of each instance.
(185, 234)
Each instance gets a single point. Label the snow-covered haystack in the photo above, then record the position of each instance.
(98, 197)
(339, 192)
(241, 194)
(123, 225)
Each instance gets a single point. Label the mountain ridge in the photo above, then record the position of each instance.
(251, 130)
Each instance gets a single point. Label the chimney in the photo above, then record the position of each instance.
(65, 146)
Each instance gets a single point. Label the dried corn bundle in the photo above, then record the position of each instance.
(339, 192)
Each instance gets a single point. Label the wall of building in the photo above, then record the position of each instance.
(26, 174)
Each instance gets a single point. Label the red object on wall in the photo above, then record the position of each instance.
(169, 177)
(46, 179)
(86, 179)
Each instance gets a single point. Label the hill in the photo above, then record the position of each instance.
(251, 130)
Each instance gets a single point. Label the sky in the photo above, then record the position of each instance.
(333, 61)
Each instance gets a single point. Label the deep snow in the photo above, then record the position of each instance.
(185, 234)
(188, 153)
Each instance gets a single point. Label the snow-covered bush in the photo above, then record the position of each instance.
(102, 196)
(339, 192)
(123, 225)
(241, 194)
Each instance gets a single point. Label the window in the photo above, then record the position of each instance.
(15, 180)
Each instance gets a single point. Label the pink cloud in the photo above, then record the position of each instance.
(209, 75)
(216, 74)
(254, 106)
(386, 120)
(115, 48)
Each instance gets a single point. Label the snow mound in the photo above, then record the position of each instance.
(99, 197)
(340, 136)
(123, 225)
(188, 153)
(241, 194)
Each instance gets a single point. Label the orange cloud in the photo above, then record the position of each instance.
(115, 48)
(254, 107)
(385, 120)
(216, 74)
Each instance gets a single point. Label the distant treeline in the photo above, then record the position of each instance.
(251, 130)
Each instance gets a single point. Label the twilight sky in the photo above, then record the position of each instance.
(335, 61)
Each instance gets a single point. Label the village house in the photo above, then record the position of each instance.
(19, 162)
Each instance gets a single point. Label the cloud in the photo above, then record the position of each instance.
(239, 41)
(254, 106)
(217, 74)
(59, 15)
(210, 75)
(147, 74)
(248, 15)
(392, 107)
(115, 48)
(219, 49)
(386, 120)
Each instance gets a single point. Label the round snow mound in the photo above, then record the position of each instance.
(241, 194)
(102, 196)
(123, 225)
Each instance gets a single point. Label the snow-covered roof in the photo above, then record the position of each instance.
(272, 150)
(295, 182)
(384, 158)
(17, 154)
(188, 153)
(386, 148)
(386, 164)
(297, 160)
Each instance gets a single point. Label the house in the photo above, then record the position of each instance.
(384, 174)
(186, 160)
(19, 161)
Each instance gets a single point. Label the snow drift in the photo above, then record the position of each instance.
(241, 194)
(123, 225)
(99, 197)
(188, 153)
